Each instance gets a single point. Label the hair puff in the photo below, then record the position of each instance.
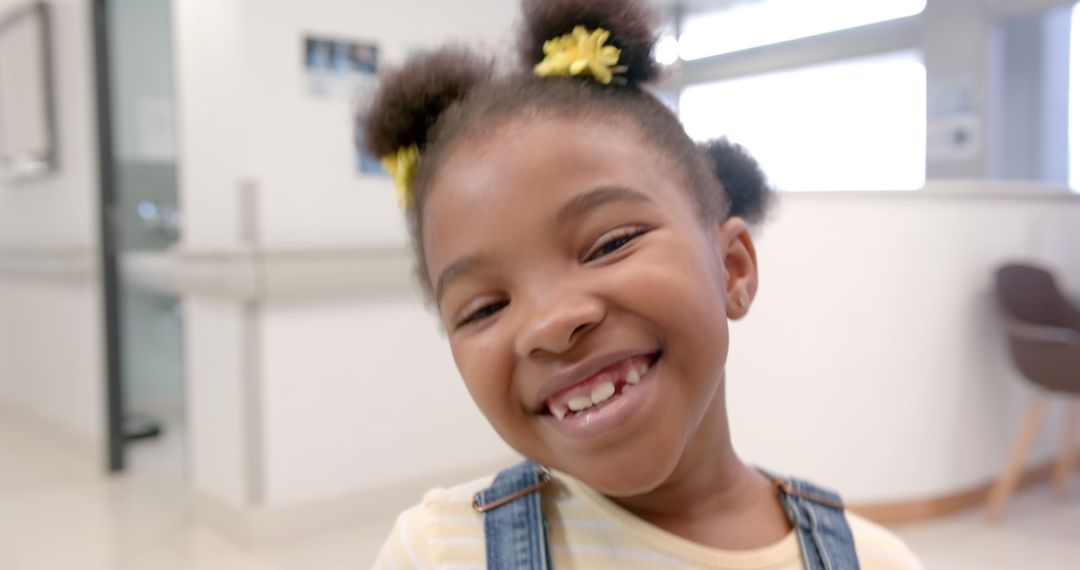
(632, 23)
(748, 191)
(412, 97)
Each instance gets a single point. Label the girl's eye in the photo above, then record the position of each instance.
(481, 314)
(613, 241)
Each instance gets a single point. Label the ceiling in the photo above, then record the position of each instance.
(702, 4)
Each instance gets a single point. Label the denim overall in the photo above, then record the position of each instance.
(515, 531)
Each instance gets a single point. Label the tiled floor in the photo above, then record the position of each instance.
(1037, 531)
(56, 516)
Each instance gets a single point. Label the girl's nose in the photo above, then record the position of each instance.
(555, 325)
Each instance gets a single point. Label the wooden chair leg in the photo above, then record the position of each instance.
(1067, 462)
(1014, 465)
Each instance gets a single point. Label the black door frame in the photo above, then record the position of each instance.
(109, 247)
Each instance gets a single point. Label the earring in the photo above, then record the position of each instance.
(742, 302)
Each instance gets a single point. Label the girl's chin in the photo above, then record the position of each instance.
(628, 477)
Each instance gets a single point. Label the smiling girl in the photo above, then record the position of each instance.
(585, 257)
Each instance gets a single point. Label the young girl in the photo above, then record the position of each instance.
(584, 256)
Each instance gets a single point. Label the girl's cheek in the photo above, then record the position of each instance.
(484, 373)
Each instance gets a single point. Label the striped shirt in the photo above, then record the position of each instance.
(587, 530)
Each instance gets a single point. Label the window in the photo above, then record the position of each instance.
(762, 22)
(857, 124)
(1074, 101)
(1031, 88)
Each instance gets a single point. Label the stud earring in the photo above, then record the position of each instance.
(742, 302)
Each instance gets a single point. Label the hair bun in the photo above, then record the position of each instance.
(413, 97)
(633, 26)
(748, 191)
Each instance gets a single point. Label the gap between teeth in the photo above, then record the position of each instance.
(600, 394)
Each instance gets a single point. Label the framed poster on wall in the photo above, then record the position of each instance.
(27, 124)
(346, 70)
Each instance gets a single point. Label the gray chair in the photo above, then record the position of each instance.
(1043, 333)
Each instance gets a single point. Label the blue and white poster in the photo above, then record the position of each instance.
(346, 71)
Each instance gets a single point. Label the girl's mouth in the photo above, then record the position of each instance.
(600, 389)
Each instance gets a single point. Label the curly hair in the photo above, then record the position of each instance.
(439, 99)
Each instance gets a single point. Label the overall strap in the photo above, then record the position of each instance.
(818, 517)
(515, 533)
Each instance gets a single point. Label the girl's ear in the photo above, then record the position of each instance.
(734, 244)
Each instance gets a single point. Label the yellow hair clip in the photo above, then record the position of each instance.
(580, 52)
(402, 167)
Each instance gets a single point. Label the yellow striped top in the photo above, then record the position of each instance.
(588, 530)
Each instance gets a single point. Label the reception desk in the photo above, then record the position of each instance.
(872, 360)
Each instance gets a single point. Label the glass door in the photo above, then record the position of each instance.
(142, 221)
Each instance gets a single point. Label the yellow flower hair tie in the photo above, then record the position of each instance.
(579, 52)
(402, 167)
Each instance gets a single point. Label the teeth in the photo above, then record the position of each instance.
(578, 403)
(603, 392)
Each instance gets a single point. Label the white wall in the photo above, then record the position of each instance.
(208, 48)
(300, 148)
(61, 211)
(873, 359)
(246, 115)
(51, 365)
(264, 164)
(218, 428)
(50, 359)
(361, 395)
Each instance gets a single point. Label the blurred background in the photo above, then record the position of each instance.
(213, 353)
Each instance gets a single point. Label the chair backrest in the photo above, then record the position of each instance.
(1029, 294)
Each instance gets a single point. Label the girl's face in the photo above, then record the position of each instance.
(585, 301)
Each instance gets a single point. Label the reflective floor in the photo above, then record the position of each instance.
(55, 515)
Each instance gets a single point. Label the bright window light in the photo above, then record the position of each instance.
(667, 50)
(857, 124)
(1074, 101)
(762, 22)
